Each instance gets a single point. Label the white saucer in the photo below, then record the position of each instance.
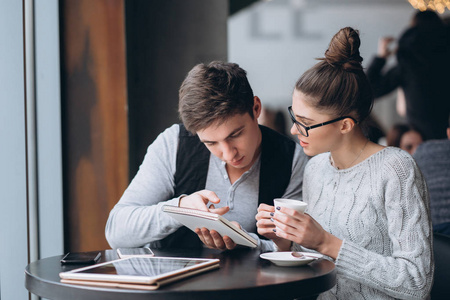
(285, 259)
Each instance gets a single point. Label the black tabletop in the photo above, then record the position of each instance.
(242, 275)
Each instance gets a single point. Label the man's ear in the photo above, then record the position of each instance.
(448, 133)
(347, 125)
(257, 107)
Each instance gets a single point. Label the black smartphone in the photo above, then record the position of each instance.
(86, 258)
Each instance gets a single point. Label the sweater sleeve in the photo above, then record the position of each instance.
(137, 218)
(408, 272)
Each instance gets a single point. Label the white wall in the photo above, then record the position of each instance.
(276, 41)
(30, 133)
(48, 128)
(13, 186)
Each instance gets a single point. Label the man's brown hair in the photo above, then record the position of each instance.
(210, 94)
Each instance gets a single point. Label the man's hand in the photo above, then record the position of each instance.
(212, 239)
(198, 200)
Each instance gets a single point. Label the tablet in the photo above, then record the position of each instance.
(130, 252)
(141, 270)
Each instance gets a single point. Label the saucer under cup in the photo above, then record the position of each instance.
(285, 259)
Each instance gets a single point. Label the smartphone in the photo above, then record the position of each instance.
(127, 252)
(87, 258)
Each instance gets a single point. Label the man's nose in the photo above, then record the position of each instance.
(228, 151)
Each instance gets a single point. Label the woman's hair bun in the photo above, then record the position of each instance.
(343, 50)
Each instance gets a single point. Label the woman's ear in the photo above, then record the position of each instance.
(347, 125)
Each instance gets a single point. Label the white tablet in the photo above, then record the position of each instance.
(141, 270)
(133, 252)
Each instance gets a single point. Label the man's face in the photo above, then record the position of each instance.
(236, 141)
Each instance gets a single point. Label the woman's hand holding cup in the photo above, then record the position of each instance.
(293, 208)
(265, 221)
(293, 224)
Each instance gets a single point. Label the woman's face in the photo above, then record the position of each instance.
(320, 139)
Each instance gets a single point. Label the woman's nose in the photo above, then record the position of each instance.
(294, 130)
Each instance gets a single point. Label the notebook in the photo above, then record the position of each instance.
(193, 218)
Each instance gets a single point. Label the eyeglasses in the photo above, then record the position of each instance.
(304, 129)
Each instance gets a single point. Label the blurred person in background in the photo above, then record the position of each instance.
(274, 119)
(433, 158)
(423, 63)
(404, 137)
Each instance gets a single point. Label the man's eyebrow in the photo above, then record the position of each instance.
(231, 133)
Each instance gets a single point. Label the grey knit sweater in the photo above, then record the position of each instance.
(433, 158)
(380, 209)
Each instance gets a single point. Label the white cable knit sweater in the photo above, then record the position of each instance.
(380, 209)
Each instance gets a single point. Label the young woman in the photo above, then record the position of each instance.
(368, 205)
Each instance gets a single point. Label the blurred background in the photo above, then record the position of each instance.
(87, 85)
(276, 41)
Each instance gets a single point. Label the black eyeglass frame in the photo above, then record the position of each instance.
(307, 128)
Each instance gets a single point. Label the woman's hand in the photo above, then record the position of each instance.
(302, 229)
(266, 226)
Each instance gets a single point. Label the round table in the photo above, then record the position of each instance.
(242, 275)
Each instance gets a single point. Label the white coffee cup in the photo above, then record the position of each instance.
(298, 205)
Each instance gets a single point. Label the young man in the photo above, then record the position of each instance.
(251, 164)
